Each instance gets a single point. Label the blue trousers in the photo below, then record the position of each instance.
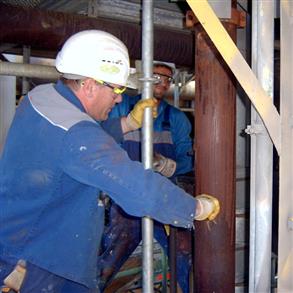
(38, 280)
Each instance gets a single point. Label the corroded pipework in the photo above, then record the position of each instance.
(47, 30)
(215, 122)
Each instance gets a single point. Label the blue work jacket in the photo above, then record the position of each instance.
(55, 161)
(171, 134)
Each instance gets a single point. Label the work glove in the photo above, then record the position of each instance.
(209, 207)
(135, 117)
(15, 279)
(163, 165)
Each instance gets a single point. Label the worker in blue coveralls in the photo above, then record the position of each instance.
(172, 157)
(58, 156)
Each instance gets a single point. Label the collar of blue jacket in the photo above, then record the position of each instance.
(68, 94)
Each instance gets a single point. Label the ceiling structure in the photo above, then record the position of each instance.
(166, 12)
(119, 17)
(44, 25)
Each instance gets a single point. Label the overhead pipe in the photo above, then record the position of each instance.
(29, 70)
(261, 162)
(48, 30)
(147, 138)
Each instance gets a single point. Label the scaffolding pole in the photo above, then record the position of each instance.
(285, 246)
(147, 138)
(261, 152)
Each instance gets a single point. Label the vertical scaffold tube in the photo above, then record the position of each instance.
(26, 60)
(147, 138)
(261, 161)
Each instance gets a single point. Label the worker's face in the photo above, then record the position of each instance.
(164, 76)
(101, 100)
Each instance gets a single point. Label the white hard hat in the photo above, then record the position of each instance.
(95, 54)
(171, 66)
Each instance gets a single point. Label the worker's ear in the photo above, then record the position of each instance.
(88, 86)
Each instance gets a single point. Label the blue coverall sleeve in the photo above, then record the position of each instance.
(93, 158)
(113, 127)
(123, 108)
(181, 129)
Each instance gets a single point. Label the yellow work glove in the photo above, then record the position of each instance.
(15, 279)
(209, 207)
(167, 229)
(163, 165)
(135, 117)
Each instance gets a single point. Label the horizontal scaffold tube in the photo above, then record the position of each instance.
(29, 70)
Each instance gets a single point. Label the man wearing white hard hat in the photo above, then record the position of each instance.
(57, 158)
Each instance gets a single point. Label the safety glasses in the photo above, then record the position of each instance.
(162, 77)
(116, 90)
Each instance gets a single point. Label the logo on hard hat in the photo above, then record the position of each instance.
(109, 68)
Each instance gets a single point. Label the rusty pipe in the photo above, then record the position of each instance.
(215, 148)
(47, 30)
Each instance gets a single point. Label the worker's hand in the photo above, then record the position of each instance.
(163, 165)
(135, 117)
(208, 207)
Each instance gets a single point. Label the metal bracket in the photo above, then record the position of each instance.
(93, 8)
(148, 79)
(254, 129)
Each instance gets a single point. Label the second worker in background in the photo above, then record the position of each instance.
(172, 157)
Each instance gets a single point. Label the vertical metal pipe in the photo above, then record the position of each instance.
(26, 60)
(147, 137)
(172, 255)
(173, 230)
(165, 269)
(285, 246)
(261, 152)
(7, 106)
(215, 148)
(176, 95)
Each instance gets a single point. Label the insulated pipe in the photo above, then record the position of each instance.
(147, 138)
(28, 70)
(261, 152)
(48, 30)
(215, 149)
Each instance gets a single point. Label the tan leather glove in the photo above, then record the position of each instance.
(15, 279)
(163, 165)
(135, 117)
(208, 209)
